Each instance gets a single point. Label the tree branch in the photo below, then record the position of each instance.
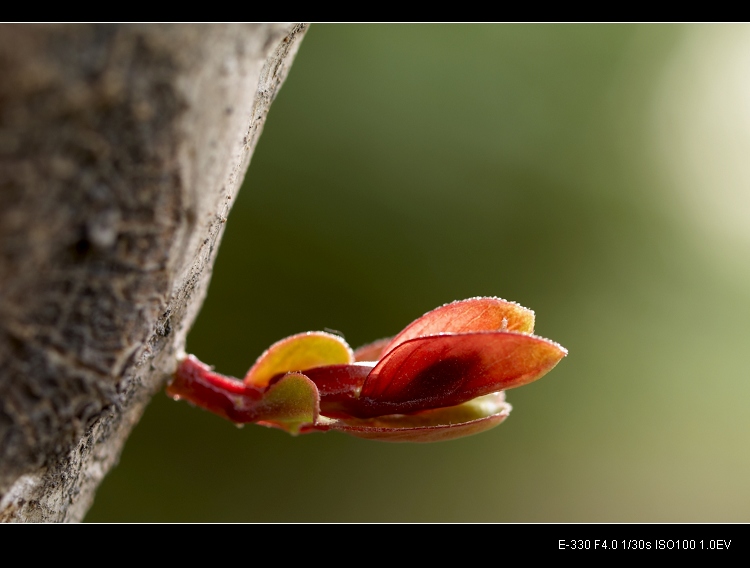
(122, 148)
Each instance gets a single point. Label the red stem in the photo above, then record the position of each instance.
(230, 398)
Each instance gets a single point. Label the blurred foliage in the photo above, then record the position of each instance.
(406, 166)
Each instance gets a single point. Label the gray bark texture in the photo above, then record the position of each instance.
(122, 148)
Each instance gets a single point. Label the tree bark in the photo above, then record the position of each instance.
(122, 148)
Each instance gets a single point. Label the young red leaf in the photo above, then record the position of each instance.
(372, 351)
(339, 387)
(446, 370)
(436, 425)
(340, 380)
(474, 314)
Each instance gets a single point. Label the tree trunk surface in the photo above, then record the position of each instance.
(122, 148)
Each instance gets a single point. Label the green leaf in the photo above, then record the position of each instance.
(298, 353)
(289, 404)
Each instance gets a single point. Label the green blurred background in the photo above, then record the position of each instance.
(597, 174)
